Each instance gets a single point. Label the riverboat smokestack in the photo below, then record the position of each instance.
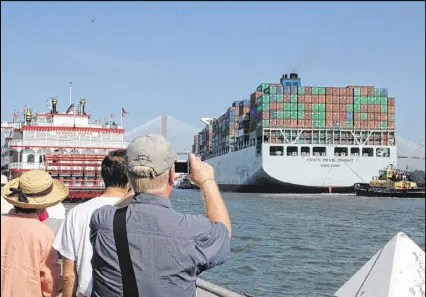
(82, 105)
(28, 116)
(54, 104)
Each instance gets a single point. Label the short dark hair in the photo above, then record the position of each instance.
(113, 169)
(25, 210)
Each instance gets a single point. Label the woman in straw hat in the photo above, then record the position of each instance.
(29, 264)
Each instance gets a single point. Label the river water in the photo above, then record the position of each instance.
(304, 245)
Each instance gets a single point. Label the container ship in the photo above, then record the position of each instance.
(291, 138)
(63, 143)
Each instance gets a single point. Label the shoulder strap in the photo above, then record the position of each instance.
(130, 288)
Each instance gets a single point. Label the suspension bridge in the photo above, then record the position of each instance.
(181, 136)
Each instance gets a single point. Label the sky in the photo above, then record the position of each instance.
(192, 59)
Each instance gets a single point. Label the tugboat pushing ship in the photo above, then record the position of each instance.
(65, 144)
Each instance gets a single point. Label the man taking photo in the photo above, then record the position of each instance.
(148, 249)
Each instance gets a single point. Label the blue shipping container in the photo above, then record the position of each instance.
(287, 90)
(280, 90)
(293, 89)
(349, 116)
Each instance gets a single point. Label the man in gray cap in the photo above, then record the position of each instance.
(148, 249)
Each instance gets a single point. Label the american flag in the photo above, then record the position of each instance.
(123, 112)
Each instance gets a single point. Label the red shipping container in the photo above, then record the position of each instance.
(308, 99)
(300, 123)
(370, 108)
(343, 108)
(273, 106)
(328, 99)
(391, 101)
(314, 98)
(342, 91)
(370, 91)
(328, 91)
(293, 123)
(377, 108)
(357, 116)
(329, 123)
(308, 123)
(364, 108)
(335, 115)
(280, 106)
(265, 114)
(321, 98)
(308, 106)
(273, 123)
(391, 110)
(287, 123)
(301, 99)
(308, 91)
(391, 125)
(384, 116)
(308, 115)
(364, 91)
(357, 124)
(328, 115)
(336, 100)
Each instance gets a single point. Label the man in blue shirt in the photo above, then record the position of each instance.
(148, 249)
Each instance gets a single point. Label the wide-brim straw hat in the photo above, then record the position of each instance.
(40, 189)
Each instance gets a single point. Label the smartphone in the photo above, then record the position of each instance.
(182, 167)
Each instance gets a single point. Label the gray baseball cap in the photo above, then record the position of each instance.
(150, 151)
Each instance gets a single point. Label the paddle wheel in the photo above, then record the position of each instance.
(80, 173)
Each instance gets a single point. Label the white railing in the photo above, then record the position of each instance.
(67, 143)
(21, 165)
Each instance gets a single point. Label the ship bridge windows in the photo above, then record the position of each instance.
(276, 150)
(340, 151)
(383, 152)
(319, 151)
(367, 152)
(354, 151)
(305, 151)
(292, 151)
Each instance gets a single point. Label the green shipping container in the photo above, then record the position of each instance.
(315, 123)
(321, 107)
(315, 107)
(357, 91)
(287, 106)
(293, 98)
(357, 100)
(280, 98)
(321, 116)
(377, 92)
(321, 91)
(301, 90)
(321, 123)
(293, 106)
(265, 123)
(315, 91)
(293, 115)
(371, 100)
(384, 124)
(357, 108)
(349, 108)
(262, 87)
(287, 114)
(349, 124)
(280, 115)
(301, 115)
(383, 108)
(364, 116)
(315, 116)
(301, 106)
(384, 100)
(364, 100)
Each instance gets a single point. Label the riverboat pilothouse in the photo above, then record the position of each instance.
(67, 144)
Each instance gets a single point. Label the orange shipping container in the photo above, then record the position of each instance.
(328, 99)
(328, 115)
(383, 116)
(287, 123)
(308, 99)
(300, 123)
(273, 106)
(273, 123)
(335, 115)
(391, 101)
(391, 109)
(357, 116)
(308, 123)
(370, 91)
(329, 123)
(308, 91)
(280, 106)
(293, 123)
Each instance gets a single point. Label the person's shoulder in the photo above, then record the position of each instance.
(103, 215)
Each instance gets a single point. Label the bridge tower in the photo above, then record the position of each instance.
(164, 125)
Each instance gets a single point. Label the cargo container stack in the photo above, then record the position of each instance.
(317, 110)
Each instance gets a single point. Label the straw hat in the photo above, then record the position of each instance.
(34, 189)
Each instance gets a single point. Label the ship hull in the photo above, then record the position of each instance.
(244, 171)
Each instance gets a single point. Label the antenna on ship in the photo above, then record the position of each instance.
(70, 92)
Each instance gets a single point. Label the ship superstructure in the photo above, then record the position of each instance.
(294, 138)
(66, 144)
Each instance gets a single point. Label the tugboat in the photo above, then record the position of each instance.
(391, 182)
